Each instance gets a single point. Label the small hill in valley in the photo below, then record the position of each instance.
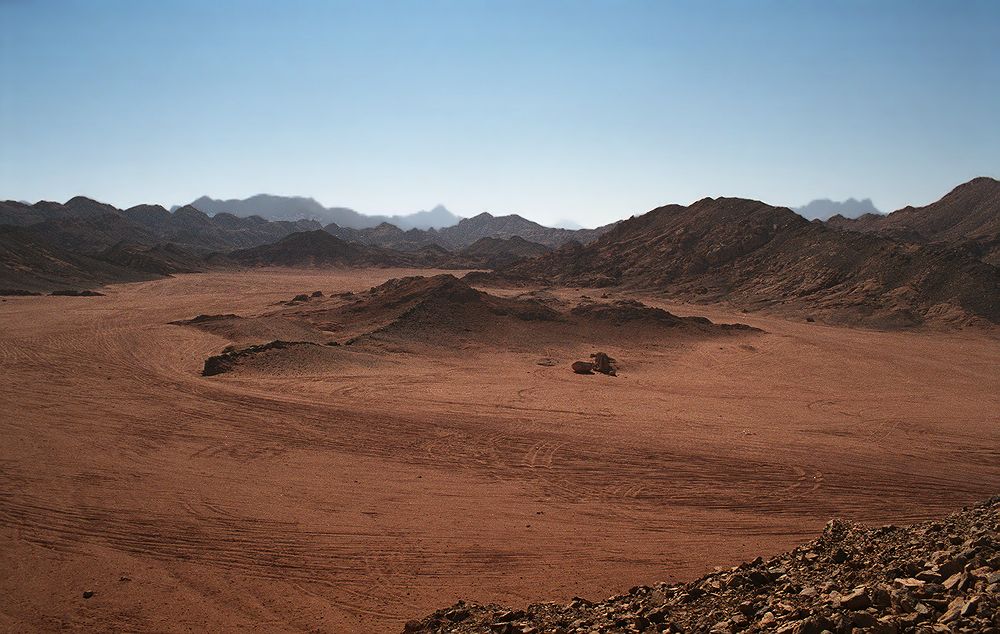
(315, 248)
(491, 253)
(446, 313)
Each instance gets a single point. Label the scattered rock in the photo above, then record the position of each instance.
(87, 594)
(837, 583)
(76, 293)
(603, 363)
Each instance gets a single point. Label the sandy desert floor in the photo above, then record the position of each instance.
(355, 498)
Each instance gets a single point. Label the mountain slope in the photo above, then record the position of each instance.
(465, 233)
(30, 263)
(494, 253)
(968, 216)
(315, 248)
(758, 256)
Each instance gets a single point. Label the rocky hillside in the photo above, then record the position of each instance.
(315, 248)
(30, 264)
(87, 226)
(492, 253)
(939, 576)
(50, 245)
(753, 255)
(967, 217)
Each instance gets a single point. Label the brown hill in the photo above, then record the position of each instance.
(30, 263)
(492, 253)
(968, 217)
(160, 259)
(758, 256)
(445, 312)
(429, 306)
(469, 230)
(22, 214)
(90, 234)
(466, 233)
(316, 248)
(87, 226)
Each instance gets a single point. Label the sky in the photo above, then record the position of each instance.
(580, 109)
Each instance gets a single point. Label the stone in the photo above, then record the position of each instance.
(971, 606)
(603, 363)
(954, 611)
(857, 600)
(583, 367)
(930, 576)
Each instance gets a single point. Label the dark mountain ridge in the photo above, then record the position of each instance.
(754, 256)
(966, 217)
(467, 232)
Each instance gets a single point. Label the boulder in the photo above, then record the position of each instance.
(583, 367)
(603, 363)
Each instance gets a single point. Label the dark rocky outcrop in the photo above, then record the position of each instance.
(755, 256)
(968, 217)
(225, 362)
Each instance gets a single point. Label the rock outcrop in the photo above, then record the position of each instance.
(938, 576)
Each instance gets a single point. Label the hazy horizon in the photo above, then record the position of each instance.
(553, 111)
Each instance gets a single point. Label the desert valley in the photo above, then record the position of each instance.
(232, 423)
(519, 317)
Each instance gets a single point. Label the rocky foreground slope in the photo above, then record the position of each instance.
(939, 576)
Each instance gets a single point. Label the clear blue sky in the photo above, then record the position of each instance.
(578, 109)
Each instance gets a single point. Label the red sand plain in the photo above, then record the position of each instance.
(350, 499)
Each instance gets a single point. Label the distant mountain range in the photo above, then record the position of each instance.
(51, 245)
(823, 208)
(935, 263)
(464, 233)
(299, 208)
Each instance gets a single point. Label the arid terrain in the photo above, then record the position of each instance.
(352, 488)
